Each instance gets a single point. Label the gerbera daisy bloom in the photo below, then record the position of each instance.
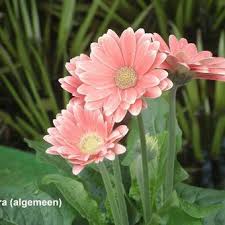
(83, 137)
(185, 59)
(121, 71)
(72, 82)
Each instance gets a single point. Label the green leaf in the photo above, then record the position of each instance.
(205, 198)
(16, 164)
(75, 194)
(197, 211)
(20, 174)
(40, 147)
(156, 118)
(34, 215)
(179, 173)
(178, 217)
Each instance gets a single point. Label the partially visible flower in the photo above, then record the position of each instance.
(184, 59)
(121, 71)
(71, 83)
(83, 137)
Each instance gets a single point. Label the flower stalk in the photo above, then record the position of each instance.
(144, 157)
(110, 194)
(120, 191)
(169, 179)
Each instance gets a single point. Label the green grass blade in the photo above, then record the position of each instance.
(175, 30)
(65, 26)
(28, 128)
(220, 86)
(218, 137)
(195, 128)
(4, 40)
(161, 17)
(18, 100)
(116, 17)
(183, 121)
(7, 119)
(180, 16)
(199, 40)
(137, 22)
(16, 7)
(219, 20)
(45, 79)
(193, 94)
(142, 3)
(107, 19)
(188, 11)
(84, 27)
(26, 18)
(35, 21)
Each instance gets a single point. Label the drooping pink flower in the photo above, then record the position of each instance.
(121, 71)
(83, 137)
(184, 56)
(72, 82)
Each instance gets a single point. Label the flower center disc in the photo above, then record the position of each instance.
(125, 77)
(90, 143)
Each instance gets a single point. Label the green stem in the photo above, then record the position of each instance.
(169, 179)
(120, 191)
(110, 193)
(146, 186)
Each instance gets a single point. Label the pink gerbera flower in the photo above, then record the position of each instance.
(72, 82)
(83, 137)
(121, 71)
(185, 58)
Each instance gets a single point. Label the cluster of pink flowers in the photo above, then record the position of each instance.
(117, 76)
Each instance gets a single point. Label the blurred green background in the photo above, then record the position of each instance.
(38, 37)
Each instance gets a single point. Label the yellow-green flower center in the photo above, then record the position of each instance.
(90, 143)
(125, 77)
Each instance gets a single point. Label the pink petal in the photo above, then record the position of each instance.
(160, 58)
(136, 108)
(153, 92)
(143, 66)
(112, 103)
(128, 46)
(119, 149)
(211, 77)
(94, 104)
(173, 43)
(129, 95)
(159, 73)
(100, 81)
(98, 55)
(77, 169)
(113, 35)
(113, 50)
(119, 115)
(110, 156)
(52, 150)
(148, 80)
(139, 33)
(141, 52)
(163, 46)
